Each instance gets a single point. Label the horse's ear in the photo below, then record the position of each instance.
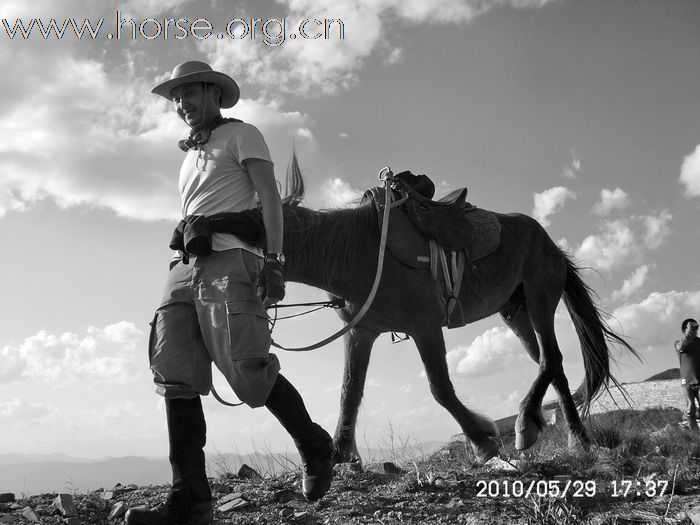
(294, 183)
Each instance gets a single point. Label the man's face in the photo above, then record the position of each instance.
(192, 105)
(691, 329)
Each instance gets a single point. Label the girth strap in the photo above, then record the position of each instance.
(452, 278)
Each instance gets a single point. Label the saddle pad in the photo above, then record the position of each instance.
(413, 249)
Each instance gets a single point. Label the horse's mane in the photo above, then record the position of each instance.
(343, 236)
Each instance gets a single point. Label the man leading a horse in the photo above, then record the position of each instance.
(213, 306)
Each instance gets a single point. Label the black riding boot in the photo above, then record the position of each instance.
(189, 501)
(314, 444)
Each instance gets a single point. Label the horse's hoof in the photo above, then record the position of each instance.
(485, 450)
(525, 434)
(341, 455)
(579, 442)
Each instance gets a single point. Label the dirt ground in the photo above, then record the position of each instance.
(378, 497)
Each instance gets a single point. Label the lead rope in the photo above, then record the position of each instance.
(386, 175)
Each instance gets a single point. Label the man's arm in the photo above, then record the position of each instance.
(271, 282)
(682, 344)
(262, 174)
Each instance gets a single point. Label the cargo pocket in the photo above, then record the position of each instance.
(248, 329)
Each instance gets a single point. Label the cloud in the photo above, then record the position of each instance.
(106, 142)
(149, 8)
(654, 323)
(624, 242)
(12, 9)
(310, 67)
(95, 142)
(690, 173)
(614, 244)
(572, 170)
(610, 200)
(657, 229)
(486, 353)
(16, 410)
(101, 355)
(550, 201)
(334, 193)
(406, 389)
(633, 283)
(395, 56)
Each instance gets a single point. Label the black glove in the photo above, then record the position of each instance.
(271, 282)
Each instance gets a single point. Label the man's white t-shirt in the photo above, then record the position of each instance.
(213, 179)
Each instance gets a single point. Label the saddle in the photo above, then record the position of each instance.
(444, 220)
(450, 222)
(445, 236)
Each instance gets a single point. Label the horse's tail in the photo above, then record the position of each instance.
(594, 334)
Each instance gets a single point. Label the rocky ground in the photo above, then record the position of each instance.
(380, 494)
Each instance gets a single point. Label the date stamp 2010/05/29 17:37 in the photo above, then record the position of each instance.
(574, 488)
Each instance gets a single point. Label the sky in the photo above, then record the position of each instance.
(585, 115)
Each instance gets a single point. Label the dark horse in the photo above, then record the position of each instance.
(523, 280)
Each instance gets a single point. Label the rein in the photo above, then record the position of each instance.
(336, 304)
(385, 175)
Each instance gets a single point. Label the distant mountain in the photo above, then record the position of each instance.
(36, 477)
(8, 459)
(30, 474)
(671, 373)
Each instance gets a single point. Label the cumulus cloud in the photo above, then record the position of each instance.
(13, 9)
(654, 323)
(610, 200)
(88, 143)
(149, 8)
(100, 355)
(486, 353)
(334, 193)
(624, 242)
(550, 201)
(633, 283)
(610, 247)
(105, 141)
(690, 173)
(657, 229)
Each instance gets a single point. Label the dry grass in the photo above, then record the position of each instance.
(644, 446)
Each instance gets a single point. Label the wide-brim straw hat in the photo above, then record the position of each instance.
(196, 71)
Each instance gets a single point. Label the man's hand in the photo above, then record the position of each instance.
(271, 283)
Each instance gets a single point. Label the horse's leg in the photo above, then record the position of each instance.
(542, 301)
(480, 431)
(530, 421)
(358, 347)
